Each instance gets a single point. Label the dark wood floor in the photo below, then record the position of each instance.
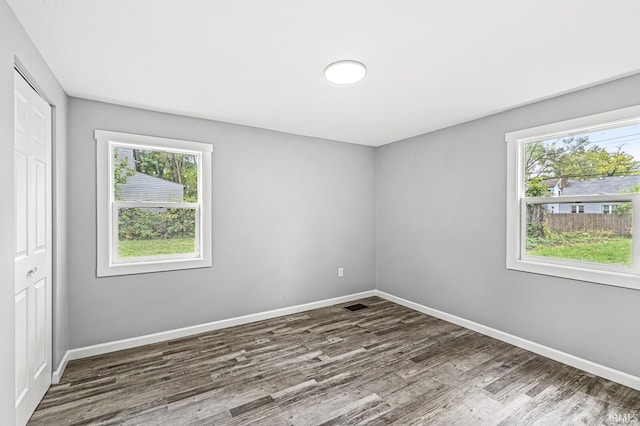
(385, 364)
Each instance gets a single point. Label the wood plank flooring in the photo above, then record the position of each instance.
(384, 364)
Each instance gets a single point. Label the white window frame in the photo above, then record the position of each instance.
(108, 263)
(516, 256)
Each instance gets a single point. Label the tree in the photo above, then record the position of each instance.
(175, 167)
(577, 158)
(625, 209)
(546, 160)
(535, 212)
(573, 157)
(121, 172)
(596, 162)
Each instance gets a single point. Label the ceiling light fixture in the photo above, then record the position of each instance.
(345, 72)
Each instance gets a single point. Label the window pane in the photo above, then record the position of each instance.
(156, 231)
(593, 163)
(590, 236)
(154, 175)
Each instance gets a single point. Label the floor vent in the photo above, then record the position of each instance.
(355, 307)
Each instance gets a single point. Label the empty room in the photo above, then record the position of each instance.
(319, 212)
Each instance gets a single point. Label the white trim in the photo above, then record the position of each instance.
(586, 199)
(57, 374)
(154, 205)
(516, 256)
(563, 357)
(107, 263)
(178, 333)
(127, 139)
(605, 120)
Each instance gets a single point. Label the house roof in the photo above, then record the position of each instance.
(604, 185)
(550, 183)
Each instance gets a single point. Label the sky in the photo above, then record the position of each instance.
(610, 139)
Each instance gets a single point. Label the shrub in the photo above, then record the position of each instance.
(551, 238)
(148, 224)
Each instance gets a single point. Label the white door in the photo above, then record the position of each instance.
(32, 180)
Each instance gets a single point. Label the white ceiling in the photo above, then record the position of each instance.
(431, 64)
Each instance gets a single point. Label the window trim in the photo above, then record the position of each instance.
(106, 266)
(516, 204)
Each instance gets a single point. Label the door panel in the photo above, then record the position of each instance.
(38, 128)
(40, 206)
(40, 336)
(20, 165)
(32, 180)
(21, 112)
(22, 362)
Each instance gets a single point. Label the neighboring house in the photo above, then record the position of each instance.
(555, 186)
(563, 187)
(144, 187)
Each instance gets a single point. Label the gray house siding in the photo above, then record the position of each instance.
(588, 208)
(143, 187)
(600, 186)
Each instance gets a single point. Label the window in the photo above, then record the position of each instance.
(595, 161)
(153, 204)
(577, 208)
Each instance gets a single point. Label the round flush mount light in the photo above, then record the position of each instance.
(345, 72)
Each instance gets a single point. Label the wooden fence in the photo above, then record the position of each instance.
(568, 222)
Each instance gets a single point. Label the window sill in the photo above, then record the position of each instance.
(575, 272)
(151, 266)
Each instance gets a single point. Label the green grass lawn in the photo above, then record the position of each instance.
(136, 248)
(611, 251)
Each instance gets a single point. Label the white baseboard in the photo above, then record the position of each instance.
(148, 339)
(57, 374)
(563, 357)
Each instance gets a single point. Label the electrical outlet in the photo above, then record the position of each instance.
(340, 272)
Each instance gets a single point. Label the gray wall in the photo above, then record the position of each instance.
(287, 212)
(441, 210)
(15, 45)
